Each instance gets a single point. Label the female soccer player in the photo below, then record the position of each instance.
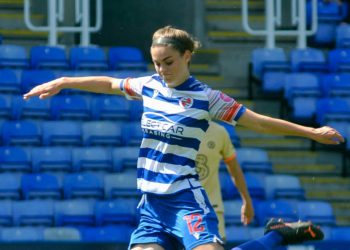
(174, 209)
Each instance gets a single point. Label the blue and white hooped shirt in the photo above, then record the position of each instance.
(174, 121)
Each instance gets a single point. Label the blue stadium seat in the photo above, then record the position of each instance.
(332, 109)
(120, 185)
(51, 159)
(287, 210)
(232, 212)
(132, 133)
(90, 57)
(102, 133)
(61, 133)
(32, 78)
(34, 108)
(336, 85)
(53, 57)
(266, 60)
(21, 133)
(33, 213)
(117, 211)
(15, 159)
(342, 36)
(232, 133)
(70, 107)
(237, 234)
(303, 109)
(119, 233)
(136, 110)
(6, 215)
(325, 34)
(9, 81)
(255, 185)
(339, 60)
(10, 186)
(254, 160)
(279, 186)
(62, 234)
(125, 158)
(5, 106)
(13, 56)
(329, 11)
(110, 107)
(319, 212)
(92, 159)
(308, 60)
(301, 85)
(21, 234)
(77, 212)
(228, 189)
(340, 233)
(126, 58)
(82, 185)
(40, 186)
(273, 82)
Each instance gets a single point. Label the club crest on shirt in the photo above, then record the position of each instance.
(211, 144)
(186, 102)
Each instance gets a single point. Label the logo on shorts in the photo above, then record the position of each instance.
(186, 102)
(194, 224)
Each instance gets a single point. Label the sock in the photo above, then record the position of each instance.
(267, 242)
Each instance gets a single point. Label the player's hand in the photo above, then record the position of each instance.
(328, 135)
(44, 90)
(247, 213)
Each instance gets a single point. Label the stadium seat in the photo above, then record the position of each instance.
(5, 107)
(70, 107)
(51, 159)
(92, 159)
(77, 212)
(33, 213)
(102, 133)
(339, 60)
(266, 60)
(32, 78)
(9, 81)
(308, 60)
(117, 211)
(15, 159)
(126, 58)
(329, 11)
(136, 110)
(21, 133)
(280, 186)
(132, 133)
(332, 109)
(325, 34)
(232, 212)
(62, 234)
(53, 57)
(341, 233)
(61, 133)
(90, 57)
(228, 189)
(110, 107)
(120, 185)
(40, 186)
(319, 212)
(237, 234)
(21, 234)
(303, 110)
(119, 233)
(82, 185)
(10, 186)
(6, 215)
(13, 56)
(342, 36)
(254, 160)
(336, 85)
(34, 108)
(273, 83)
(125, 158)
(287, 210)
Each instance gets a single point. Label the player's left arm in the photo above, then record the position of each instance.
(268, 125)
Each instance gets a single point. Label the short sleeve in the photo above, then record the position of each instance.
(132, 87)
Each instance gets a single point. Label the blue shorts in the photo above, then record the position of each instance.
(182, 220)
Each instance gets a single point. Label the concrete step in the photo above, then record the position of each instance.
(233, 22)
(11, 4)
(234, 5)
(9, 20)
(330, 195)
(307, 169)
(23, 35)
(274, 143)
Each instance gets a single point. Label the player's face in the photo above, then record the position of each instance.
(170, 64)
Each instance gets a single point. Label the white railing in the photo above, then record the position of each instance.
(55, 14)
(273, 19)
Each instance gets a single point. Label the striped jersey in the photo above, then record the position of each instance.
(174, 121)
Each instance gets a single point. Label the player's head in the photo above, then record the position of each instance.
(171, 53)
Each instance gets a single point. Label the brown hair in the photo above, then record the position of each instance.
(178, 39)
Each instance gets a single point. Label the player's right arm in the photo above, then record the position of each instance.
(96, 84)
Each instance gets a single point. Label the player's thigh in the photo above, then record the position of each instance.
(209, 246)
(151, 246)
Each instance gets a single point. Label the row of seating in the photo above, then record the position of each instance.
(70, 107)
(83, 212)
(79, 57)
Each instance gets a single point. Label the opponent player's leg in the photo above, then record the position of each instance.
(278, 232)
(151, 246)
